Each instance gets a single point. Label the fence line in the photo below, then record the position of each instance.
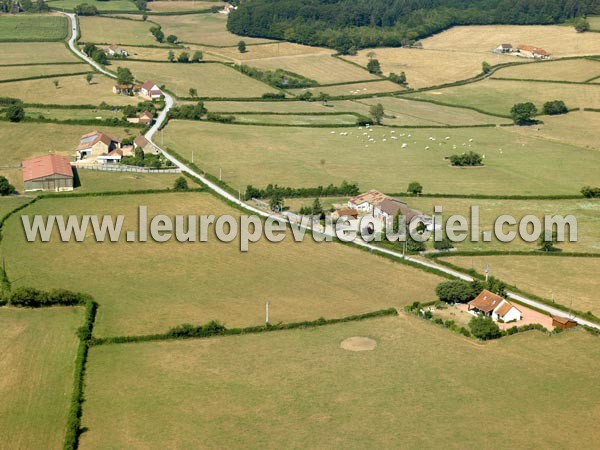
(126, 168)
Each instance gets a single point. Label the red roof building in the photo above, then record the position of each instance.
(48, 173)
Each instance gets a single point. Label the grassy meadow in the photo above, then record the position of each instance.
(69, 114)
(184, 5)
(213, 280)
(570, 279)
(278, 51)
(33, 27)
(38, 52)
(338, 106)
(37, 361)
(106, 30)
(514, 164)
(96, 181)
(17, 72)
(373, 87)
(566, 70)
(101, 5)
(7, 204)
(296, 120)
(420, 387)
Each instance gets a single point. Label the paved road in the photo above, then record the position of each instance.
(169, 102)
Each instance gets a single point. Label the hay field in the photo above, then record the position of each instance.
(498, 96)
(428, 67)
(287, 107)
(66, 114)
(263, 155)
(101, 5)
(293, 120)
(275, 50)
(207, 29)
(212, 280)
(105, 30)
(353, 89)
(92, 181)
(417, 389)
(35, 52)
(558, 40)
(33, 27)
(72, 90)
(17, 72)
(211, 80)
(187, 5)
(571, 279)
(162, 54)
(586, 211)
(322, 68)
(569, 70)
(38, 350)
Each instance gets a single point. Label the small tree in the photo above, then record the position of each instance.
(484, 328)
(415, 188)
(184, 57)
(548, 245)
(413, 246)
(171, 56)
(55, 83)
(181, 184)
(89, 77)
(581, 25)
(456, 291)
(5, 187)
(555, 107)
(590, 192)
(124, 75)
(323, 97)
(242, 47)
(371, 55)
(172, 39)
(486, 67)
(276, 202)
(193, 92)
(144, 17)
(197, 57)
(15, 113)
(522, 113)
(377, 112)
(373, 66)
(317, 209)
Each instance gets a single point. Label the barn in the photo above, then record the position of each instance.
(48, 173)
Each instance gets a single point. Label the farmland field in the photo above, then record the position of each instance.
(498, 96)
(276, 50)
(372, 87)
(71, 90)
(187, 5)
(594, 22)
(70, 114)
(32, 27)
(7, 204)
(210, 80)
(575, 287)
(37, 349)
(17, 72)
(162, 54)
(38, 52)
(101, 5)
(292, 120)
(104, 30)
(569, 70)
(216, 281)
(322, 156)
(416, 389)
(93, 181)
(207, 29)
(288, 107)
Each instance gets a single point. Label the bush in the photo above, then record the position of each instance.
(444, 244)
(415, 188)
(278, 78)
(484, 328)
(486, 67)
(457, 291)
(398, 79)
(35, 298)
(522, 113)
(374, 67)
(555, 107)
(181, 184)
(186, 330)
(581, 25)
(5, 187)
(86, 10)
(466, 159)
(15, 113)
(187, 112)
(590, 192)
(214, 117)
(274, 95)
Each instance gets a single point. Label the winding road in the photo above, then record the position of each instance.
(169, 102)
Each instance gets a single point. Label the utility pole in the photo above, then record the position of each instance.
(267, 312)
(487, 273)
(192, 156)
(220, 174)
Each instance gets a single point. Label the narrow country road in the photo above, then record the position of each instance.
(169, 102)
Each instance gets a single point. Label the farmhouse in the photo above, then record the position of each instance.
(122, 89)
(491, 305)
(503, 48)
(150, 91)
(227, 9)
(145, 118)
(385, 208)
(563, 322)
(530, 51)
(96, 143)
(389, 207)
(48, 173)
(367, 202)
(114, 50)
(145, 145)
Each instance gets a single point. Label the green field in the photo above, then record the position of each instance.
(294, 120)
(32, 27)
(421, 387)
(101, 5)
(210, 80)
(498, 96)
(514, 164)
(7, 204)
(38, 354)
(570, 280)
(105, 30)
(570, 70)
(96, 181)
(353, 89)
(288, 107)
(594, 22)
(212, 280)
(71, 114)
(35, 52)
(18, 72)
(182, 5)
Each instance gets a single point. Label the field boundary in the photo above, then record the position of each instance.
(39, 77)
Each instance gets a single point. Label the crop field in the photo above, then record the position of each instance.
(184, 5)
(322, 68)
(18, 72)
(35, 52)
(71, 90)
(575, 287)
(427, 67)
(265, 51)
(207, 29)
(101, 5)
(566, 70)
(373, 87)
(32, 27)
(38, 353)
(210, 80)
(214, 280)
(322, 156)
(586, 211)
(498, 96)
(404, 112)
(293, 120)
(104, 30)
(234, 391)
(559, 41)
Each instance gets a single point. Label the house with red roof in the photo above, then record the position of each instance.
(531, 51)
(96, 143)
(492, 305)
(48, 173)
(150, 91)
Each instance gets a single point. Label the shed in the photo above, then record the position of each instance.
(563, 322)
(48, 173)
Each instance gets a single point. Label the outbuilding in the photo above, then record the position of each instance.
(48, 173)
(563, 322)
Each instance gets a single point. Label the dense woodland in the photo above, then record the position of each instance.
(347, 25)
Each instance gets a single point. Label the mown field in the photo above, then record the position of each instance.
(105, 30)
(33, 27)
(212, 280)
(498, 96)
(162, 54)
(418, 388)
(37, 349)
(567, 70)
(72, 113)
(210, 80)
(514, 164)
(35, 52)
(7, 204)
(101, 5)
(187, 5)
(71, 90)
(571, 280)
(264, 51)
(558, 40)
(18, 72)
(292, 120)
(288, 107)
(207, 29)
(373, 87)
(93, 181)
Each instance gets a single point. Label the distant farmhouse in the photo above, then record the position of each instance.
(115, 50)
(150, 91)
(48, 173)
(227, 9)
(145, 118)
(491, 305)
(524, 51)
(503, 48)
(385, 208)
(145, 145)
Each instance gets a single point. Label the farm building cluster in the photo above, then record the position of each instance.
(98, 147)
(524, 51)
(148, 90)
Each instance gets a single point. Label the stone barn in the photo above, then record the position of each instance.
(48, 173)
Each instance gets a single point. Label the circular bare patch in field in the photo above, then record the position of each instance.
(358, 344)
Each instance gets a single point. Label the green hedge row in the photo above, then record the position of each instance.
(64, 63)
(111, 122)
(514, 253)
(14, 211)
(490, 197)
(532, 80)
(215, 328)
(34, 298)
